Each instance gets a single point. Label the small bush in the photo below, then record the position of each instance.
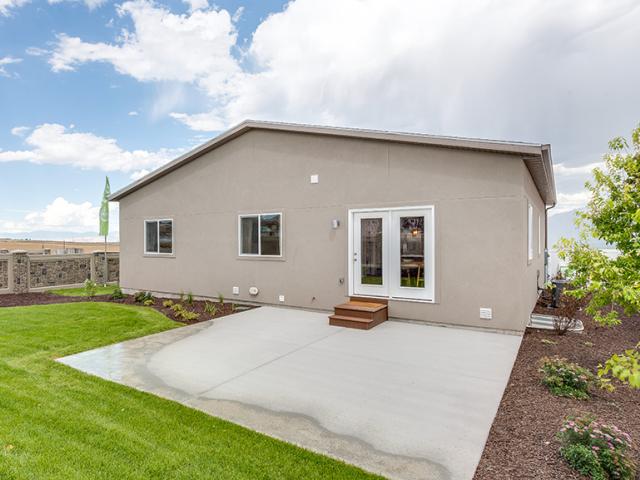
(177, 307)
(565, 317)
(148, 302)
(141, 297)
(167, 303)
(566, 379)
(90, 288)
(188, 315)
(189, 298)
(584, 460)
(210, 308)
(598, 451)
(117, 294)
(220, 298)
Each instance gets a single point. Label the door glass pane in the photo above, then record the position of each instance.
(371, 251)
(151, 237)
(249, 235)
(166, 236)
(270, 234)
(412, 252)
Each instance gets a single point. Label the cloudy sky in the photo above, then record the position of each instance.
(90, 88)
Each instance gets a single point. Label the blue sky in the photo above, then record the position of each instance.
(90, 88)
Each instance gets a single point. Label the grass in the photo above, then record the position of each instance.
(58, 423)
(80, 292)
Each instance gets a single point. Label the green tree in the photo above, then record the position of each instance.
(612, 215)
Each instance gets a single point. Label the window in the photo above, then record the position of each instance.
(529, 232)
(158, 236)
(260, 235)
(539, 235)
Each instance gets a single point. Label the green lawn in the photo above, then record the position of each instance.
(80, 292)
(58, 423)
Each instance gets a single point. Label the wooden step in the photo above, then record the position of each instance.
(375, 312)
(359, 314)
(384, 301)
(354, 322)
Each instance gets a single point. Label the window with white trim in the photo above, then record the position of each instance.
(539, 235)
(158, 236)
(260, 235)
(529, 232)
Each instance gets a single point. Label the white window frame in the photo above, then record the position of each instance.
(173, 233)
(430, 295)
(529, 232)
(259, 215)
(539, 235)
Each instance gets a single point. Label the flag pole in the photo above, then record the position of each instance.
(104, 226)
(106, 263)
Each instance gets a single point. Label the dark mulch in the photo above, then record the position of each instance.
(45, 298)
(521, 444)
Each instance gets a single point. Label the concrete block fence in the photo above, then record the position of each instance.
(21, 272)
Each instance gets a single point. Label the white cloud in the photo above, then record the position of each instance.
(20, 131)
(53, 144)
(91, 4)
(166, 47)
(203, 122)
(7, 5)
(137, 175)
(570, 201)
(37, 51)
(197, 4)
(237, 14)
(132, 113)
(580, 170)
(61, 215)
(4, 61)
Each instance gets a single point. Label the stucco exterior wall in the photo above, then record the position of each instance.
(480, 227)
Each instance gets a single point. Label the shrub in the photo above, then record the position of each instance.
(565, 317)
(90, 288)
(117, 294)
(566, 379)
(167, 303)
(584, 460)
(188, 315)
(596, 450)
(141, 297)
(220, 298)
(210, 308)
(148, 302)
(189, 298)
(177, 307)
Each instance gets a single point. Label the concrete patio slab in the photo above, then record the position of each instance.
(404, 400)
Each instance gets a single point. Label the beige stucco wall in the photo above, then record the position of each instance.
(480, 223)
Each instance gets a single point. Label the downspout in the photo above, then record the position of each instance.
(551, 185)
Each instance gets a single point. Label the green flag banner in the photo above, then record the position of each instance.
(104, 210)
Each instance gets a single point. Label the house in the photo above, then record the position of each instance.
(442, 229)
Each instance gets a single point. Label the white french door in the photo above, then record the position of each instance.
(370, 253)
(393, 253)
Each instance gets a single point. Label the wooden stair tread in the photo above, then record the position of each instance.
(362, 306)
(351, 319)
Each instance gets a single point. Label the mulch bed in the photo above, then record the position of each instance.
(522, 444)
(45, 298)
